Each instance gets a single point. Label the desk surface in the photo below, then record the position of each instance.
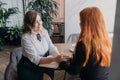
(63, 48)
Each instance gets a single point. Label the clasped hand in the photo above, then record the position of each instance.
(60, 58)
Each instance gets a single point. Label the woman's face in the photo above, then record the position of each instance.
(38, 24)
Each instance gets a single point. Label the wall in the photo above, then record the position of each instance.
(115, 64)
(60, 11)
(73, 7)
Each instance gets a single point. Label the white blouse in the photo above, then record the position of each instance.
(34, 49)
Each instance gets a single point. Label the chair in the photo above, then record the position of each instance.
(11, 69)
(73, 38)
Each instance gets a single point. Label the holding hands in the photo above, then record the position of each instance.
(60, 58)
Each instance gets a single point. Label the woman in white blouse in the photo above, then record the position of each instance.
(36, 46)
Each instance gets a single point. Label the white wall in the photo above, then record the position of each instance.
(73, 7)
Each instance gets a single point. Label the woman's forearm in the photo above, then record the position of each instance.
(46, 60)
(49, 59)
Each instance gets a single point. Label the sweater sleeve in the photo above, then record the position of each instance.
(74, 65)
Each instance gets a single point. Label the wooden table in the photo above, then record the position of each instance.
(63, 48)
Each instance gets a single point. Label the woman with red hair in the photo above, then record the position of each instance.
(92, 55)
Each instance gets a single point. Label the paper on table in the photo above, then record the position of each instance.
(50, 65)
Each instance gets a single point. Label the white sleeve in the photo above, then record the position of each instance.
(52, 47)
(29, 50)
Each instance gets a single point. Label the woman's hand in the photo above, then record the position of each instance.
(60, 58)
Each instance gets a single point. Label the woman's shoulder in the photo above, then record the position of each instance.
(80, 43)
(45, 31)
(80, 46)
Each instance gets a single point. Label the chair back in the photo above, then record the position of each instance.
(73, 38)
(11, 69)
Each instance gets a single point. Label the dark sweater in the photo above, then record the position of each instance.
(92, 71)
